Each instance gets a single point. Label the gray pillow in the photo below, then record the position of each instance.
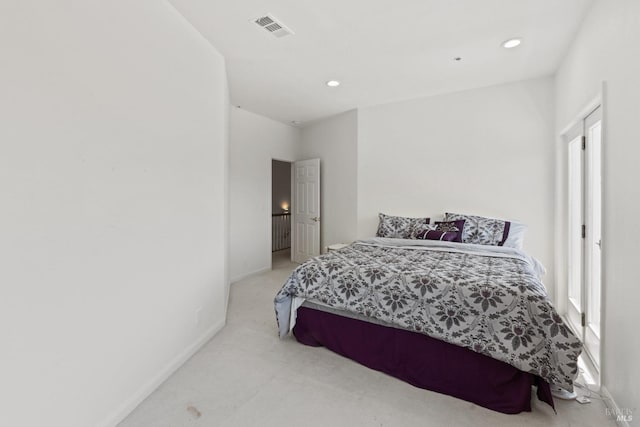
(481, 230)
(399, 227)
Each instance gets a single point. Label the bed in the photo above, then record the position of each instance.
(469, 320)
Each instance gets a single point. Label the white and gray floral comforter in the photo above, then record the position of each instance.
(488, 299)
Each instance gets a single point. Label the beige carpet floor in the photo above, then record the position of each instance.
(246, 376)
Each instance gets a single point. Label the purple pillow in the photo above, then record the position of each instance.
(456, 227)
(445, 236)
(450, 231)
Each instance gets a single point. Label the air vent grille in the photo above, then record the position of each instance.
(264, 21)
(273, 26)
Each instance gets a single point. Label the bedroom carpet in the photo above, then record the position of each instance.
(246, 376)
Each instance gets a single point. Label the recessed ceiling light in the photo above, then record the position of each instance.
(333, 83)
(511, 43)
(457, 58)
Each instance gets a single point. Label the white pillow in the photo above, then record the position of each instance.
(515, 238)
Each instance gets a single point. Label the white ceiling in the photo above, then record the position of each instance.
(381, 50)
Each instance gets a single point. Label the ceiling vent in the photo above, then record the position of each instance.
(273, 26)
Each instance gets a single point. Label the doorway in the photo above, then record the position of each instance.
(280, 212)
(585, 232)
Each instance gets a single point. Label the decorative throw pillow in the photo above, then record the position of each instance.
(430, 233)
(481, 230)
(450, 231)
(456, 227)
(420, 228)
(399, 227)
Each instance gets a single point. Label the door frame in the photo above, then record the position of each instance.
(591, 336)
(562, 218)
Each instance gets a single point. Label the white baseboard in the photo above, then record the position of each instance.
(130, 404)
(614, 408)
(253, 273)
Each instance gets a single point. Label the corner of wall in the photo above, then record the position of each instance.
(227, 237)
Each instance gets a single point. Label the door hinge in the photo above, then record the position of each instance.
(583, 320)
(584, 231)
(584, 142)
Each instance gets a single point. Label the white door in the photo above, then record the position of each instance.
(593, 233)
(585, 237)
(305, 241)
(575, 303)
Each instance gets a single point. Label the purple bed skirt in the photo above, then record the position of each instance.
(423, 361)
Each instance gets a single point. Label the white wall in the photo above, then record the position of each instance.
(334, 141)
(254, 141)
(606, 49)
(487, 151)
(112, 210)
